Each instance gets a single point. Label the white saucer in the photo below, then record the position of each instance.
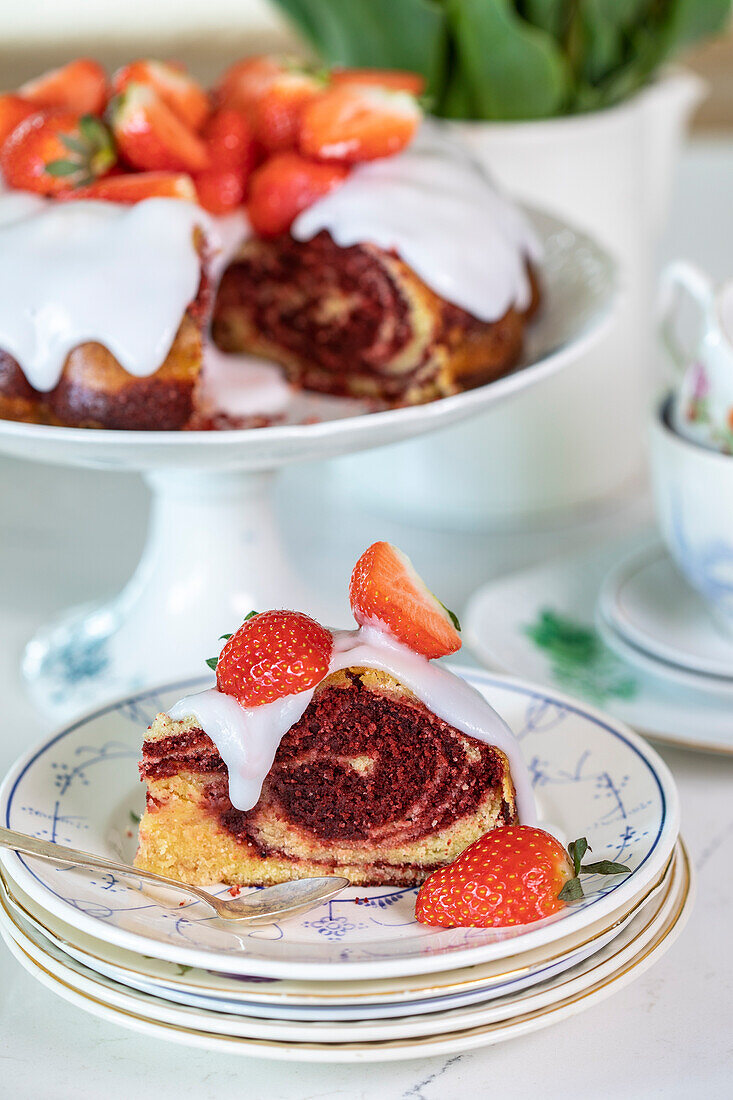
(597, 779)
(501, 622)
(675, 675)
(648, 602)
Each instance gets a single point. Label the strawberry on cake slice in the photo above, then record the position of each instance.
(348, 752)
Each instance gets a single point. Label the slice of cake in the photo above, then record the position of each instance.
(331, 752)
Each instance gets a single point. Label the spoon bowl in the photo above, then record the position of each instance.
(265, 906)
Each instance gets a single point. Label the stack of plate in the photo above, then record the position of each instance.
(356, 979)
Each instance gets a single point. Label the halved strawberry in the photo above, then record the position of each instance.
(221, 190)
(357, 122)
(136, 186)
(150, 136)
(245, 81)
(80, 86)
(13, 109)
(386, 591)
(285, 185)
(273, 654)
(276, 112)
(229, 140)
(54, 151)
(514, 875)
(396, 80)
(185, 97)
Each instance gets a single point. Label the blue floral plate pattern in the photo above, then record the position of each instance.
(592, 777)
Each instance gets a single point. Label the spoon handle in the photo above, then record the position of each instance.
(58, 853)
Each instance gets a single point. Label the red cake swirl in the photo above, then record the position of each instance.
(360, 767)
(356, 320)
(367, 771)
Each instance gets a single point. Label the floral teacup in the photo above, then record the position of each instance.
(702, 408)
(693, 494)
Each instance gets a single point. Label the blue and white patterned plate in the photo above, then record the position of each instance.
(592, 776)
(346, 1000)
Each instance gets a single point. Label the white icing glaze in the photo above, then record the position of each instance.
(241, 385)
(248, 737)
(230, 233)
(94, 271)
(16, 205)
(438, 209)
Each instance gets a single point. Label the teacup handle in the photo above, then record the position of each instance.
(679, 277)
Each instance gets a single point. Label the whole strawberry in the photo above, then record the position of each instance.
(277, 111)
(285, 185)
(56, 151)
(273, 654)
(513, 875)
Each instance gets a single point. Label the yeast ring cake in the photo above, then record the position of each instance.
(162, 247)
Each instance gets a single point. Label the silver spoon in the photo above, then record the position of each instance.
(287, 899)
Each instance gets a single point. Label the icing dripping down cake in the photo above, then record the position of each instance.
(339, 752)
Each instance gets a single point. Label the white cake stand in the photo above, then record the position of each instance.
(213, 551)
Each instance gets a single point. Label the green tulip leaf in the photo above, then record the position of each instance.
(380, 34)
(550, 16)
(510, 59)
(514, 70)
(690, 20)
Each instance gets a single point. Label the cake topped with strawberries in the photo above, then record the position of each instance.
(331, 751)
(308, 219)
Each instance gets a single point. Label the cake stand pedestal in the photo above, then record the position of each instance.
(214, 551)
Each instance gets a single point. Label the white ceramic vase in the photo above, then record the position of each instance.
(578, 437)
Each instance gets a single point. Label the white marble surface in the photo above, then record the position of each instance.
(67, 537)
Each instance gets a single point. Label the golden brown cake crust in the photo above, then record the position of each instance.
(369, 784)
(95, 391)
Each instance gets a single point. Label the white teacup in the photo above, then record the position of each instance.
(702, 408)
(693, 494)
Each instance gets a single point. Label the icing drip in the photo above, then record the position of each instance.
(242, 385)
(440, 212)
(247, 738)
(72, 273)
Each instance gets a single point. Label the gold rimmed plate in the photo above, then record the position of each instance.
(593, 777)
(649, 935)
(285, 999)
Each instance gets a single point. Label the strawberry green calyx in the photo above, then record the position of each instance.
(573, 890)
(451, 614)
(91, 153)
(212, 662)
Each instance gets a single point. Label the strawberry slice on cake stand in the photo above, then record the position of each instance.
(214, 550)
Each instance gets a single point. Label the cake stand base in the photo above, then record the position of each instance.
(213, 554)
